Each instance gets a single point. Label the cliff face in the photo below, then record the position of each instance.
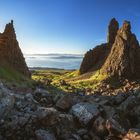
(123, 59)
(112, 31)
(123, 56)
(95, 58)
(10, 53)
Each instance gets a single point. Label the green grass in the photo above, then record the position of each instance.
(75, 82)
(12, 77)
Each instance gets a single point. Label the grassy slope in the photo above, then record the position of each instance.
(75, 81)
(11, 77)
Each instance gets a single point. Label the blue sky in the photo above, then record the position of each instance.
(66, 26)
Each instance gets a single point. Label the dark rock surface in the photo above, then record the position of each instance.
(112, 30)
(95, 58)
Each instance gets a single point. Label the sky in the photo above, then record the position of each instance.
(66, 26)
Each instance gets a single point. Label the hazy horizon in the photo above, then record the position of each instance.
(66, 26)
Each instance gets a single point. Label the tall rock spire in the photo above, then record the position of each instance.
(120, 56)
(123, 57)
(112, 30)
(10, 52)
(9, 30)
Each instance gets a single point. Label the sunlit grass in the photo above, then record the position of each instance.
(75, 82)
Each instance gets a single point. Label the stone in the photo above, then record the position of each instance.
(43, 97)
(99, 126)
(133, 134)
(114, 127)
(128, 104)
(82, 132)
(64, 103)
(85, 112)
(6, 104)
(119, 98)
(46, 116)
(44, 135)
(112, 30)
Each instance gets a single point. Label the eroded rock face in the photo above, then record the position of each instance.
(112, 30)
(119, 57)
(95, 58)
(122, 59)
(10, 53)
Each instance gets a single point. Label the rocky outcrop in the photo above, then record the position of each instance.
(95, 58)
(112, 30)
(122, 59)
(10, 52)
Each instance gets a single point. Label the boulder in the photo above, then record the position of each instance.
(115, 128)
(46, 116)
(128, 104)
(44, 135)
(85, 112)
(43, 97)
(99, 126)
(64, 103)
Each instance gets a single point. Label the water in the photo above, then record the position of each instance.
(61, 61)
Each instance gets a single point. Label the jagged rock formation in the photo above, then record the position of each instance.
(95, 58)
(112, 30)
(122, 58)
(10, 53)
